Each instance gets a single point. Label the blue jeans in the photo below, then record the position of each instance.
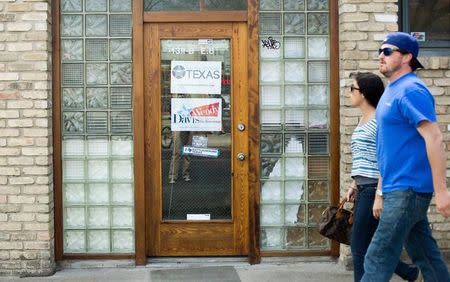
(404, 222)
(364, 226)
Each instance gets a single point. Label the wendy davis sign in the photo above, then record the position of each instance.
(195, 77)
(196, 114)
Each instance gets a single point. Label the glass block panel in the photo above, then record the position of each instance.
(294, 5)
(96, 73)
(318, 119)
(71, 25)
(294, 24)
(271, 117)
(315, 211)
(229, 5)
(271, 191)
(294, 118)
(122, 194)
(294, 144)
(98, 147)
(98, 217)
(121, 122)
(74, 241)
(295, 237)
(122, 217)
(97, 98)
(96, 5)
(294, 71)
(98, 194)
(293, 191)
(273, 5)
(271, 143)
(171, 5)
(318, 167)
(73, 122)
(270, 71)
(318, 143)
(317, 4)
(121, 97)
(71, 6)
(271, 215)
(294, 47)
(73, 170)
(270, 23)
(98, 241)
(73, 147)
(120, 5)
(315, 239)
(123, 241)
(74, 218)
(294, 95)
(122, 146)
(271, 167)
(97, 122)
(72, 50)
(271, 237)
(98, 169)
(120, 25)
(295, 167)
(120, 49)
(318, 191)
(72, 98)
(318, 48)
(96, 49)
(122, 169)
(120, 73)
(317, 23)
(271, 95)
(270, 47)
(318, 72)
(291, 213)
(96, 25)
(72, 74)
(318, 94)
(73, 194)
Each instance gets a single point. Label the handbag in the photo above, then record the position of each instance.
(336, 223)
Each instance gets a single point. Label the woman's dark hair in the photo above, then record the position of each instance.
(370, 85)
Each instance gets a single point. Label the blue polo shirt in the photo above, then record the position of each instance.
(401, 153)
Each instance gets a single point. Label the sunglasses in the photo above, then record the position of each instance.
(387, 51)
(353, 88)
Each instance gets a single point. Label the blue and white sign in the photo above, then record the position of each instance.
(196, 77)
(201, 152)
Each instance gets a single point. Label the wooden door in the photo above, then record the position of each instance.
(196, 139)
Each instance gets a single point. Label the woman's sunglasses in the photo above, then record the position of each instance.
(353, 88)
(387, 51)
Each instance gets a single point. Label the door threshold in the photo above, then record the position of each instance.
(183, 262)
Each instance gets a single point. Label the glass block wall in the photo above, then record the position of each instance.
(294, 101)
(97, 141)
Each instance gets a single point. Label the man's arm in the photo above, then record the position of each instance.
(437, 157)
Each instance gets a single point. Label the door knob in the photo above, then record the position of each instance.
(240, 156)
(241, 127)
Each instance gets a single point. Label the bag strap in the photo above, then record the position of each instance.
(342, 203)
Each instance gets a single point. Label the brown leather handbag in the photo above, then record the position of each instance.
(336, 223)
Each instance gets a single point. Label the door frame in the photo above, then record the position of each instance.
(141, 194)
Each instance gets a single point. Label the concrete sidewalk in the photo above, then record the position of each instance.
(228, 270)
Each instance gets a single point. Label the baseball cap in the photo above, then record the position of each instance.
(406, 42)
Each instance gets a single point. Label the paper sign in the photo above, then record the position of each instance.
(199, 141)
(196, 114)
(201, 152)
(195, 77)
(195, 216)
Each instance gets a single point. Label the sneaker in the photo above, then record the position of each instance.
(172, 180)
(186, 178)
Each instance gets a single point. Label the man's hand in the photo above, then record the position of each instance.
(351, 195)
(377, 207)
(443, 203)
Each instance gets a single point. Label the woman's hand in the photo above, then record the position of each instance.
(351, 194)
(377, 206)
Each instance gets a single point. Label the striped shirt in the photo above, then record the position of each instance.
(364, 150)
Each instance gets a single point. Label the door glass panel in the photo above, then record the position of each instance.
(196, 132)
(194, 5)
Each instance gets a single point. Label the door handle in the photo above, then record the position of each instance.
(240, 156)
(241, 127)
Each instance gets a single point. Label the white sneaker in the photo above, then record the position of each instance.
(186, 178)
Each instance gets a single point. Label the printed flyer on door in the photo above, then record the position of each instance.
(196, 114)
(196, 77)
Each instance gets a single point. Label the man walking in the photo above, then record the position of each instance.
(412, 164)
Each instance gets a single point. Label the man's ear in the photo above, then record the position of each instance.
(407, 58)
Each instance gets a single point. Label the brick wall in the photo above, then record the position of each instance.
(363, 25)
(26, 189)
